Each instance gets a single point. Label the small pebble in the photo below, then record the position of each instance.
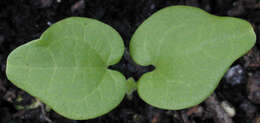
(152, 6)
(230, 110)
(252, 58)
(138, 118)
(235, 75)
(249, 108)
(257, 119)
(78, 6)
(197, 111)
(253, 88)
(49, 23)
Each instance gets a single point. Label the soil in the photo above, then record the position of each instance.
(236, 99)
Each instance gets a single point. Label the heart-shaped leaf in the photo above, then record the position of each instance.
(191, 51)
(67, 68)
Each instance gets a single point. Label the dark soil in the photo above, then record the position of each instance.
(24, 20)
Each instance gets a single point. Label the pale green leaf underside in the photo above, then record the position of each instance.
(131, 86)
(191, 51)
(67, 68)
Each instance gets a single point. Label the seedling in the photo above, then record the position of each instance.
(67, 68)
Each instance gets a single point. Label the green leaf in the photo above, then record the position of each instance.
(131, 86)
(67, 68)
(191, 50)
